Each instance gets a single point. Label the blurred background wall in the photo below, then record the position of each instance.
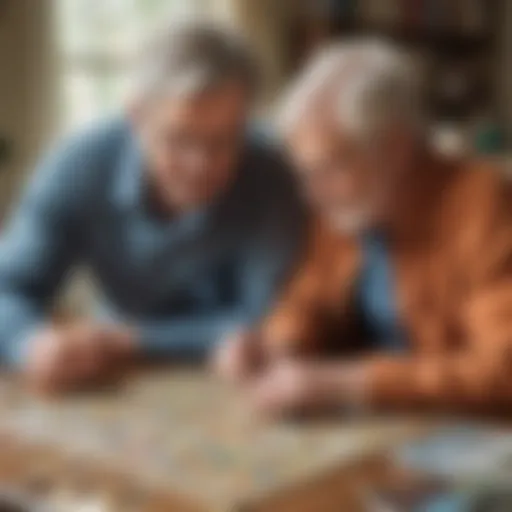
(62, 61)
(28, 80)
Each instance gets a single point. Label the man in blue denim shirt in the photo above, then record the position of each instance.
(188, 224)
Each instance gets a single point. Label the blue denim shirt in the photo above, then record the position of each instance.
(182, 283)
(377, 294)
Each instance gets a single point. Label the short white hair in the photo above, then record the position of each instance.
(365, 84)
(190, 56)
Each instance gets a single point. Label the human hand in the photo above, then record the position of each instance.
(238, 356)
(293, 385)
(61, 358)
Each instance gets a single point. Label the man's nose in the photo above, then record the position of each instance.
(344, 188)
(196, 162)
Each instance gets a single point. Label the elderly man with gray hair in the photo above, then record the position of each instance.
(186, 220)
(409, 272)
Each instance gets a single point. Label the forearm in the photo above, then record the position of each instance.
(298, 321)
(461, 382)
(37, 247)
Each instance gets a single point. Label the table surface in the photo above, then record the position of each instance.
(185, 431)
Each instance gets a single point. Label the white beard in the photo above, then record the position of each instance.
(352, 221)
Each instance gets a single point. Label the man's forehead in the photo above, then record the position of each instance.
(230, 93)
(319, 135)
(201, 110)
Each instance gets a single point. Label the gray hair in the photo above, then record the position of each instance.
(192, 56)
(365, 84)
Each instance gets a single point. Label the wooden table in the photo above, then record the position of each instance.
(181, 441)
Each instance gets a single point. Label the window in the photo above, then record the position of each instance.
(95, 39)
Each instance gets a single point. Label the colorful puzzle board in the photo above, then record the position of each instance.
(185, 431)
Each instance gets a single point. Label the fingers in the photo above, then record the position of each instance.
(237, 357)
(62, 358)
(229, 362)
(40, 369)
(280, 389)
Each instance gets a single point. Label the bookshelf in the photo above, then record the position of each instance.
(453, 41)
